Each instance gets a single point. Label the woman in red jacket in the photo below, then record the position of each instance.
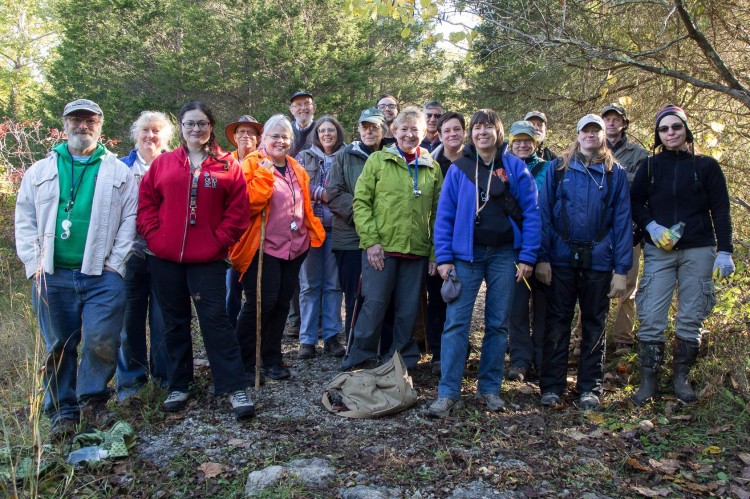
(192, 208)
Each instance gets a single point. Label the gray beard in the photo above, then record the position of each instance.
(81, 142)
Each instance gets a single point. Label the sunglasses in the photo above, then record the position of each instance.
(433, 115)
(675, 127)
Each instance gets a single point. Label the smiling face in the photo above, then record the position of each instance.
(408, 134)
(302, 109)
(327, 134)
(484, 136)
(452, 134)
(196, 129)
(540, 128)
(522, 146)
(246, 137)
(277, 142)
(150, 140)
(83, 130)
(672, 133)
(614, 125)
(389, 107)
(590, 139)
(433, 115)
(371, 134)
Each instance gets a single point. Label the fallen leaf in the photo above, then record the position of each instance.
(598, 433)
(647, 492)
(211, 469)
(744, 457)
(681, 417)
(238, 442)
(634, 463)
(596, 417)
(740, 492)
(698, 487)
(512, 429)
(711, 449)
(645, 426)
(574, 434)
(122, 468)
(526, 389)
(665, 466)
(718, 429)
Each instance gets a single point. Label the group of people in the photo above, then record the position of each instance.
(418, 203)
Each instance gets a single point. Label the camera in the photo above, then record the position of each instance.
(580, 255)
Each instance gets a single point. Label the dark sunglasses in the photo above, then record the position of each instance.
(675, 126)
(433, 115)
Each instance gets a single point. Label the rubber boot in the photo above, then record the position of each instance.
(685, 353)
(650, 356)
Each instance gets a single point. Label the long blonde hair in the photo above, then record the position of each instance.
(601, 155)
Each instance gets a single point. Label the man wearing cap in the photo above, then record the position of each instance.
(539, 120)
(303, 109)
(75, 225)
(433, 111)
(243, 134)
(346, 169)
(629, 155)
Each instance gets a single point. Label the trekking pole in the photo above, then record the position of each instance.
(258, 311)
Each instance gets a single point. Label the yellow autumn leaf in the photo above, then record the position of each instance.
(712, 449)
(596, 418)
(625, 100)
(718, 126)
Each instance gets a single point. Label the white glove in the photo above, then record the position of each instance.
(724, 264)
(617, 286)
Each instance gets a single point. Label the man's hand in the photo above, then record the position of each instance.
(444, 270)
(543, 273)
(376, 257)
(431, 268)
(617, 286)
(523, 271)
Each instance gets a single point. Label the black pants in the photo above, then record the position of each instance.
(589, 288)
(205, 283)
(279, 279)
(436, 308)
(350, 268)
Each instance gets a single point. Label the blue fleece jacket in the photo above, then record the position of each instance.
(585, 204)
(454, 225)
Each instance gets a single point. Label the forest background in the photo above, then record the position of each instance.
(565, 57)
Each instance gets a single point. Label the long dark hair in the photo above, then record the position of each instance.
(211, 147)
(315, 139)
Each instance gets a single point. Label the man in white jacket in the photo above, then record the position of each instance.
(75, 225)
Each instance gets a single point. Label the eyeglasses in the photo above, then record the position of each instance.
(302, 105)
(90, 122)
(675, 127)
(323, 131)
(249, 133)
(433, 115)
(390, 107)
(189, 125)
(277, 138)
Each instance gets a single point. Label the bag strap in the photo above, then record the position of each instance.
(506, 201)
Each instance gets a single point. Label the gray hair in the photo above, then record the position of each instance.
(278, 120)
(411, 113)
(147, 117)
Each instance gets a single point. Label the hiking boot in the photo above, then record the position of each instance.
(518, 373)
(250, 378)
(176, 401)
(97, 415)
(685, 354)
(62, 429)
(491, 401)
(242, 405)
(435, 368)
(334, 347)
(306, 351)
(277, 372)
(650, 356)
(443, 406)
(588, 401)
(550, 399)
(291, 330)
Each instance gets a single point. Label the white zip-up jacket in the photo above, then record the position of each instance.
(112, 229)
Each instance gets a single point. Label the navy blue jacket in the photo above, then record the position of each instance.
(454, 225)
(585, 206)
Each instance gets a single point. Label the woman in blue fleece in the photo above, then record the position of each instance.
(487, 220)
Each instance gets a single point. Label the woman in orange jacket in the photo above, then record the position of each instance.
(277, 184)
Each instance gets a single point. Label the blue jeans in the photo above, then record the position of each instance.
(234, 295)
(67, 303)
(495, 266)
(319, 288)
(134, 362)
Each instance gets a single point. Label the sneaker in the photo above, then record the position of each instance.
(334, 347)
(62, 429)
(97, 415)
(306, 351)
(250, 378)
(291, 330)
(518, 373)
(493, 402)
(277, 372)
(588, 401)
(242, 405)
(435, 368)
(550, 399)
(176, 401)
(443, 406)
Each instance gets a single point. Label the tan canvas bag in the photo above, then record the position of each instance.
(371, 393)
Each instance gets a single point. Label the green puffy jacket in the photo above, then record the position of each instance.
(387, 212)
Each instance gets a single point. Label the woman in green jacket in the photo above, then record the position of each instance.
(395, 201)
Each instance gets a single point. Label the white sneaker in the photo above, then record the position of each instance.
(176, 401)
(242, 406)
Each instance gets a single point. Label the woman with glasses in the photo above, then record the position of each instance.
(487, 221)
(681, 201)
(152, 133)
(586, 234)
(319, 288)
(192, 209)
(279, 192)
(395, 201)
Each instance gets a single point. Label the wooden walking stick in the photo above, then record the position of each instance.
(258, 310)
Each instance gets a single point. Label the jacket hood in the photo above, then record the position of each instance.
(62, 150)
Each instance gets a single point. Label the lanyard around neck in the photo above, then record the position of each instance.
(486, 193)
(75, 184)
(417, 192)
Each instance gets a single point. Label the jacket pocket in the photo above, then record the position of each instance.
(641, 297)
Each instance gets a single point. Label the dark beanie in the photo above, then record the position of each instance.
(671, 109)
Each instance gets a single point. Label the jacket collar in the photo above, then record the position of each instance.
(424, 158)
